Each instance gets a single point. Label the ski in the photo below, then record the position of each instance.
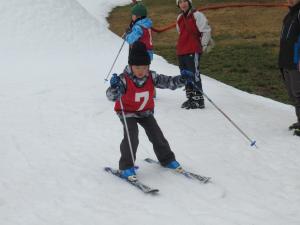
(188, 174)
(138, 184)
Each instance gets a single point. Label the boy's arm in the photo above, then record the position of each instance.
(163, 81)
(203, 27)
(134, 35)
(114, 93)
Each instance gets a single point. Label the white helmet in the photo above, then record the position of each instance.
(177, 2)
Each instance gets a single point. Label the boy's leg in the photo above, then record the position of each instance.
(193, 64)
(194, 93)
(295, 90)
(126, 158)
(182, 62)
(160, 144)
(287, 82)
(292, 83)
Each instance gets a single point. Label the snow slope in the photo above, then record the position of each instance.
(58, 131)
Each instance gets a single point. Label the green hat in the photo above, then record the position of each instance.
(139, 10)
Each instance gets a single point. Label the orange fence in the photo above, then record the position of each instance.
(222, 6)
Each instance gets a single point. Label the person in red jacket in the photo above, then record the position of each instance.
(133, 91)
(194, 38)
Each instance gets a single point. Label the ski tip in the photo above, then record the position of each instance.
(208, 180)
(153, 192)
(149, 160)
(107, 169)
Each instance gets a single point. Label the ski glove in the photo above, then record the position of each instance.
(115, 81)
(117, 87)
(187, 76)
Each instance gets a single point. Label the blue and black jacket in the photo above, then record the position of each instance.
(136, 31)
(289, 54)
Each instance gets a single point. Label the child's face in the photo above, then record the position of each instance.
(140, 71)
(184, 5)
(133, 17)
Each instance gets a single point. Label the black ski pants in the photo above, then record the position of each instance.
(292, 83)
(161, 146)
(191, 62)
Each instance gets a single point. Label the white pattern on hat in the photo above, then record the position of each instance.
(177, 2)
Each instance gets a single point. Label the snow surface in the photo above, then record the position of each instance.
(58, 131)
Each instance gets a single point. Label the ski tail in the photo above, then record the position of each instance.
(136, 183)
(188, 174)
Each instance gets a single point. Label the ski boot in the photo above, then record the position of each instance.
(174, 165)
(197, 102)
(188, 92)
(186, 104)
(128, 174)
(297, 132)
(294, 126)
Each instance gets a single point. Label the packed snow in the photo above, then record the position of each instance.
(58, 131)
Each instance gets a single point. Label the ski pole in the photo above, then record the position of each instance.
(252, 142)
(106, 79)
(127, 132)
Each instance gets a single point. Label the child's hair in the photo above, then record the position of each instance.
(138, 54)
(139, 10)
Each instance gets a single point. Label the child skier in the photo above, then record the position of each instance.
(194, 39)
(133, 92)
(140, 28)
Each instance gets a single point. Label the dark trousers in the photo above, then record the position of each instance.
(292, 83)
(161, 146)
(191, 62)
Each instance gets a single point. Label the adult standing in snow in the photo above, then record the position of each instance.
(133, 92)
(194, 38)
(289, 57)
